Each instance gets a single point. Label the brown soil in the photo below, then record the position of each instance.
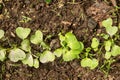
(83, 18)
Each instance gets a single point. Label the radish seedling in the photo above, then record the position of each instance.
(37, 38)
(16, 54)
(71, 47)
(111, 30)
(92, 63)
(87, 62)
(95, 44)
(22, 32)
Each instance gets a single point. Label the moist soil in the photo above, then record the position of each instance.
(83, 18)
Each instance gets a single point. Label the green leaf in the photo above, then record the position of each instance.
(94, 64)
(36, 63)
(28, 60)
(25, 45)
(47, 56)
(1, 33)
(107, 23)
(86, 62)
(115, 50)
(91, 63)
(95, 43)
(48, 1)
(62, 40)
(70, 55)
(74, 45)
(16, 55)
(81, 46)
(112, 30)
(58, 52)
(37, 38)
(107, 55)
(108, 45)
(72, 41)
(70, 37)
(2, 54)
(22, 32)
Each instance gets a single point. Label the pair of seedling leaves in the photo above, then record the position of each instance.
(111, 48)
(88, 62)
(91, 63)
(111, 30)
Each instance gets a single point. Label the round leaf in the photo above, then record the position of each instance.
(107, 55)
(37, 37)
(58, 52)
(74, 45)
(70, 55)
(112, 30)
(94, 64)
(36, 63)
(86, 62)
(72, 41)
(2, 54)
(47, 56)
(22, 32)
(115, 50)
(28, 60)
(108, 45)
(70, 37)
(25, 45)
(95, 43)
(1, 33)
(16, 55)
(107, 23)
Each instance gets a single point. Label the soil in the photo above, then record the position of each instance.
(82, 17)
